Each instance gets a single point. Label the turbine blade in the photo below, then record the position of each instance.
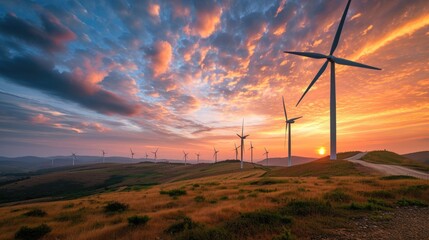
(242, 128)
(308, 54)
(284, 107)
(322, 69)
(340, 29)
(238, 135)
(343, 61)
(295, 118)
(284, 146)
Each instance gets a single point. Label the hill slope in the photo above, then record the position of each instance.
(386, 157)
(296, 160)
(422, 156)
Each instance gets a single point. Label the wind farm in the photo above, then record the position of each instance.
(102, 103)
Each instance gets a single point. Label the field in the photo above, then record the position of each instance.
(211, 201)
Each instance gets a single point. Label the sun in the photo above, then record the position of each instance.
(321, 151)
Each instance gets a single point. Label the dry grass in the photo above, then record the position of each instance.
(225, 197)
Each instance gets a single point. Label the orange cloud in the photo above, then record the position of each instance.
(206, 22)
(153, 10)
(40, 119)
(161, 58)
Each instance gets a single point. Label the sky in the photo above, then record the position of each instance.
(82, 76)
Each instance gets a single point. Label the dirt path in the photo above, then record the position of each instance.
(387, 169)
(401, 223)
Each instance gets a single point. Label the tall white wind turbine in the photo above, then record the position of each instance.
(333, 60)
(242, 137)
(185, 156)
(74, 157)
(215, 154)
(266, 155)
(288, 129)
(155, 156)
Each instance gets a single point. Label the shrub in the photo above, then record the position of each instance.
(410, 202)
(205, 234)
(199, 199)
(223, 198)
(380, 194)
(324, 177)
(364, 206)
(138, 220)
(35, 213)
(307, 207)
(414, 190)
(380, 203)
(28, 233)
(73, 217)
(185, 223)
(397, 177)
(174, 192)
(266, 181)
(285, 236)
(337, 195)
(114, 207)
(263, 190)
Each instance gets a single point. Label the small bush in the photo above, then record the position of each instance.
(397, 177)
(263, 190)
(380, 194)
(364, 206)
(241, 197)
(28, 233)
(185, 223)
(202, 233)
(199, 199)
(115, 207)
(337, 195)
(411, 202)
(324, 177)
(138, 220)
(307, 207)
(196, 185)
(285, 236)
(173, 192)
(414, 190)
(266, 181)
(73, 217)
(35, 213)
(380, 203)
(223, 198)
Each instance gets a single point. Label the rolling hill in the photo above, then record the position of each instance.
(422, 156)
(387, 157)
(296, 160)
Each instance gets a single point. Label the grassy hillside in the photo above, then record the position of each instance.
(85, 180)
(235, 205)
(386, 157)
(422, 156)
(296, 160)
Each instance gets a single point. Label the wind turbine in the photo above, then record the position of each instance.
(288, 130)
(146, 155)
(198, 157)
(215, 154)
(154, 153)
(333, 60)
(242, 137)
(236, 151)
(104, 153)
(52, 162)
(74, 157)
(132, 153)
(185, 156)
(266, 155)
(251, 152)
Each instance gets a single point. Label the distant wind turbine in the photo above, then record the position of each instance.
(333, 60)
(146, 155)
(215, 154)
(52, 162)
(236, 151)
(154, 153)
(132, 153)
(74, 157)
(288, 130)
(266, 155)
(251, 152)
(198, 157)
(185, 156)
(104, 153)
(242, 137)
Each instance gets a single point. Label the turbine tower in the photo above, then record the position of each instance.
(154, 153)
(104, 153)
(266, 155)
(132, 153)
(215, 154)
(74, 157)
(236, 151)
(185, 156)
(198, 157)
(242, 137)
(146, 155)
(251, 152)
(333, 60)
(288, 129)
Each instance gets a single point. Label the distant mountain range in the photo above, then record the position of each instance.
(283, 162)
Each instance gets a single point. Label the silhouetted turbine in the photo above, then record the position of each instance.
(333, 60)
(266, 155)
(104, 153)
(251, 152)
(242, 137)
(185, 156)
(215, 154)
(132, 153)
(154, 153)
(288, 130)
(236, 151)
(198, 157)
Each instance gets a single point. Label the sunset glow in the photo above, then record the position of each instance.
(77, 76)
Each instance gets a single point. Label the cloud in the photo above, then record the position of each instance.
(153, 9)
(40, 74)
(40, 119)
(52, 36)
(207, 17)
(160, 56)
(121, 84)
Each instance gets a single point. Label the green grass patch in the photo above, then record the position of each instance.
(174, 192)
(337, 195)
(35, 213)
(397, 177)
(368, 206)
(199, 199)
(414, 190)
(136, 220)
(28, 233)
(184, 224)
(223, 198)
(265, 190)
(307, 207)
(72, 217)
(380, 194)
(267, 181)
(411, 202)
(115, 207)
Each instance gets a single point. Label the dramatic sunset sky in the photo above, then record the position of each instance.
(81, 76)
